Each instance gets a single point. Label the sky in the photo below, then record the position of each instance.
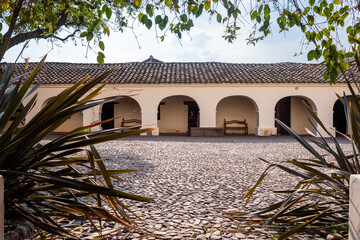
(203, 44)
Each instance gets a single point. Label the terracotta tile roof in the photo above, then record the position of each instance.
(151, 59)
(184, 73)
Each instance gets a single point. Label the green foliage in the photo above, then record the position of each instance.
(90, 20)
(324, 24)
(44, 180)
(320, 199)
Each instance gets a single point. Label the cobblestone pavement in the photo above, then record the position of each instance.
(192, 180)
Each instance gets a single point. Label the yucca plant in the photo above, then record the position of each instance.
(48, 179)
(320, 198)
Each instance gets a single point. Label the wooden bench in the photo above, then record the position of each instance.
(240, 125)
(131, 123)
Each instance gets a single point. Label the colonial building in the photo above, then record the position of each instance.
(164, 95)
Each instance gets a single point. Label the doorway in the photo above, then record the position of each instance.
(339, 118)
(283, 113)
(174, 113)
(193, 114)
(107, 113)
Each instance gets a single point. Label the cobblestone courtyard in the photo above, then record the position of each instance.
(193, 179)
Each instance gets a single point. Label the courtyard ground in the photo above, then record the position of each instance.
(192, 180)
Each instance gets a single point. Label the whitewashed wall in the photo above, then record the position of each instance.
(237, 108)
(126, 108)
(299, 116)
(208, 96)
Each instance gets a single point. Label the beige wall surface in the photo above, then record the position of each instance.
(351, 102)
(299, 117)
(174, 115)
(75, 121)
(208, 96)
(126, 108)
(237, 108)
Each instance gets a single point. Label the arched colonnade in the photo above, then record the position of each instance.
(172, 114)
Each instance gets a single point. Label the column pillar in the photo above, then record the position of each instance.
(149, 114)
(91, 116)
(207, 114)
(325, 114)
(37, 107)
(149, 120)
(266, 122)
(354, 207)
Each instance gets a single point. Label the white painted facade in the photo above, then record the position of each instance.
(253, 102)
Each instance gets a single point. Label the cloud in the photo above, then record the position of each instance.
(204, 43)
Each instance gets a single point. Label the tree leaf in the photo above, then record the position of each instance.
(183, 17)
(311, 55)
(51, 28)
(140, 16)
(253, 15)
(108, 13)
(102, 45)
(162, 25)
(149, 9)
(89, 36)
(137, 3)
(83, 34)
(310, 19)
(266, 11)
(207, 5)
(148, 23)
(168, 3)
(199, 12)
(158, 19)
(100, 59)
(218, 17)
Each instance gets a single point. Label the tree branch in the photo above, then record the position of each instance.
(4, 46)
(68, 36)
(38, 33)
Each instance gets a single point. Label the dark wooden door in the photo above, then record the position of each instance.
(194, 109)
(282, 112)
(339, 119)
(107, 113)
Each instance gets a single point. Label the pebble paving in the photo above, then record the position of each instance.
(194, 180)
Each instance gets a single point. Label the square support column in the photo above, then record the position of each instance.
(354, 207)
(326, 117)
(266, 122)
(91, 116)
(265, 131)
(207, 118)
(149, 120)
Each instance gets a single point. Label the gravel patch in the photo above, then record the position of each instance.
(192, 179)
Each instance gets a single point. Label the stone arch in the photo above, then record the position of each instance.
(46, 102)
(339, 118)
(12, 118)
(174, 115)
(237, 107)
(73, 122)
(292, 111)
(126, 108)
